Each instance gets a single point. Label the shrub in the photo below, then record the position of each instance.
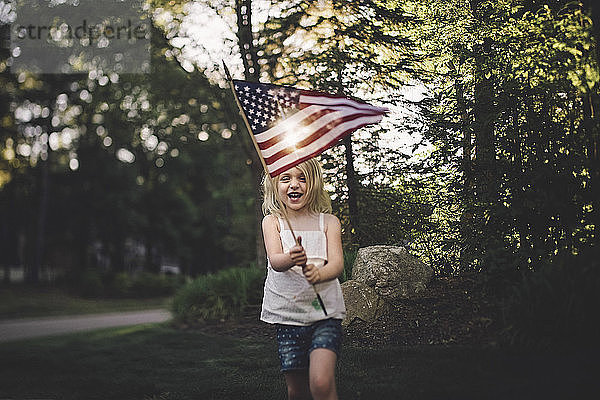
(556, 304)
(90, 284)
(222, 295)
(93, 283)
(152, 285)
(120, 285)
(349, 258)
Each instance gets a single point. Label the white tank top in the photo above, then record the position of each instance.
(288, 297)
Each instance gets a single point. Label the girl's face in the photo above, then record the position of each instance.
(292, 189)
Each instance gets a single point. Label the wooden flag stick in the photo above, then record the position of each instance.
(267, 176)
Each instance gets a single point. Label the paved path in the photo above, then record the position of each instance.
(36, 327)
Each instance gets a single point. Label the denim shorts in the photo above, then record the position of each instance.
(296, 342)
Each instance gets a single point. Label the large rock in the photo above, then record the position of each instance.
(362, 302)
(391, 271)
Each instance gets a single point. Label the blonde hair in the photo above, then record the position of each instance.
(317, 199)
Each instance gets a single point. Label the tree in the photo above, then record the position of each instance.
(133, 162)
(525, 107)
(348, 48)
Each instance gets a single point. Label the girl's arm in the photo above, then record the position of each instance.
(335, 254)
(280, 261)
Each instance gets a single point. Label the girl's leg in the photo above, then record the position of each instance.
(297, 384)
(322, 374)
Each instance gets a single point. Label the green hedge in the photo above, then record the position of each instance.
(94, 284)
(221, 295)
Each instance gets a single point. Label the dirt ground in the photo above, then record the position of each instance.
(452, 310)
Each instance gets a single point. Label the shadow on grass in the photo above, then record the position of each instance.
(158, 362)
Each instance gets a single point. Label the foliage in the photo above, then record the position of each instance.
(509, 115)
(148, 285)
(557, 303)
(221, 295)
(108, 284)
(349, 258)
(357, 49)
(124, 162)
(509, 181)
(418, 212)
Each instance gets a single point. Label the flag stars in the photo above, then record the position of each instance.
(265, 104)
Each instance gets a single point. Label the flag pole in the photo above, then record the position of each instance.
(264, 164)
(237, 101)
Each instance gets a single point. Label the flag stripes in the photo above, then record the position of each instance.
(318, 146)
(291, 125)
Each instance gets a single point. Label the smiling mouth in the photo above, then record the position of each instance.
(295, 195)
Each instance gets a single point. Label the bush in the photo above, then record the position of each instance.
(556, 304)
(222, 295)
(120, 285)
(90, 284)
(93, 284)
(153, 285)
(349, 258)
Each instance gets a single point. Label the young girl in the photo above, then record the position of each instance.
(309, 340)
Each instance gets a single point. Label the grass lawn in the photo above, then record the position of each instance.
(24, 301)
(159, 362)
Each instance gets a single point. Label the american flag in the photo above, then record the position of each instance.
(292, 125)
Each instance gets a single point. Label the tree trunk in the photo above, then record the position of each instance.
(594, 12)
(353, 193)
(5, 240)
(592, 115)
(243, 9)
(467, 145)
(351, 176)
(257, 174)
(486, 185)
(466, 220)
(591, 108)
(524, 246)
(483, 110)
(33, 274)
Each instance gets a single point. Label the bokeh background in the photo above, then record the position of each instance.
(127, 183)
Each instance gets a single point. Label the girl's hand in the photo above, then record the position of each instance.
(297, 254)
(311, 273)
